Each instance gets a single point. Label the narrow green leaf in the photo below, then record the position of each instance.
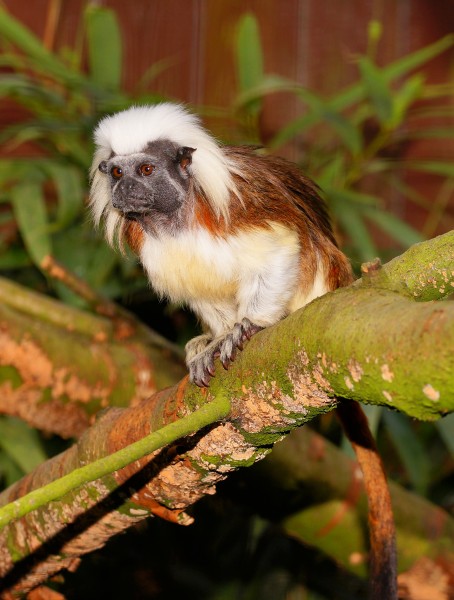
(70, 191)
(269, 84)
(446, 428)
(104, 46)
(416, 59)
(9, 470)
(101, 264)
(395, 227)
(374, 34)
(408, 93)
(374, 415)
(410, 448)
(11, 170)
(445, 169)
(348, 216)
(294, 128)
(430, 133)
(17, 34)
(377, 90)
(154, 70)
(355, 93)
(348, 133)
(22, 443)
(332, 172)
(20, 134)
(30, 211)
(352, 197)
(249, 57)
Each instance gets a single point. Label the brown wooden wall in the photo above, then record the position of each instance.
(311, 41)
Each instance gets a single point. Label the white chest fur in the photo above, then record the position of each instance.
(196, 265)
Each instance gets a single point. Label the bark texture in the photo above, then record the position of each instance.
(365, 342)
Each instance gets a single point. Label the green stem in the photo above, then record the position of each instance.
(209, 413)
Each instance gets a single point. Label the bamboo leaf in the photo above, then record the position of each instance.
(404, 97)
(9, 470)
(445, 169)
(348, 133)
(21, 443)
(446, 428)
(395, 227)
(353, 224)
(44, 61)
(355, 93)
(70, 190)
(104, 46)
(24, 89)
(269, 84)
(30, 211)
(430, 133)
(332, 172)
(377, 89)
(353, 197)
(412, 61)
(249, 57)
(411, 451)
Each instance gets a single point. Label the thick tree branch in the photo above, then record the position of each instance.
(59, 365)
(424, 272)
(80, 362)
(363, 342)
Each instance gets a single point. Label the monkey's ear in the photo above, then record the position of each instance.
(184, 156)
(103, 166)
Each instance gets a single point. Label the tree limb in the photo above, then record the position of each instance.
(363, 342)
(60, 365)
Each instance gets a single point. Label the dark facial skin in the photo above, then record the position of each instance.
(150, 185)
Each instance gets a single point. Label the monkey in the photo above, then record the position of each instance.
(240, 237)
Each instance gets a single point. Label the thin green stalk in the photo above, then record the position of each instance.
(209, 413)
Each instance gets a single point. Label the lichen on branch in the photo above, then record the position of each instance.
(367, 342)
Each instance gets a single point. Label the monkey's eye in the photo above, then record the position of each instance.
(146, 169)
(116, 172)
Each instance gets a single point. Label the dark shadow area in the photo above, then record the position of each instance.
(229, 553)
(90, 517)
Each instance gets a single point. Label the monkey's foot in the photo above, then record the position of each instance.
(201, 366)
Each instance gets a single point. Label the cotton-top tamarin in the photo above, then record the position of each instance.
(243, 239)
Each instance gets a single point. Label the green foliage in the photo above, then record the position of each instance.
(354, 140)
(21, 449)
(43, 193)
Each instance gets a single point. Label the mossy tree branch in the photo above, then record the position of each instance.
(59, 365)
(363, 342)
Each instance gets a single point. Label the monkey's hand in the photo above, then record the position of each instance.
(202, 351)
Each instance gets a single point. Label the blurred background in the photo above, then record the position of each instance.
(360, 94)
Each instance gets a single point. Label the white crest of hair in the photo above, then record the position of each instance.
(129, 131)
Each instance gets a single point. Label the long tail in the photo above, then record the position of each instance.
(382, 532)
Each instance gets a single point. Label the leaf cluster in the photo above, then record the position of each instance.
(353, 143)
(57, 98)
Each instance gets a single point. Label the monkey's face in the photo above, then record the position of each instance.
(152, 182)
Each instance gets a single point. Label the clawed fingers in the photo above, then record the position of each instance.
(202, 368)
